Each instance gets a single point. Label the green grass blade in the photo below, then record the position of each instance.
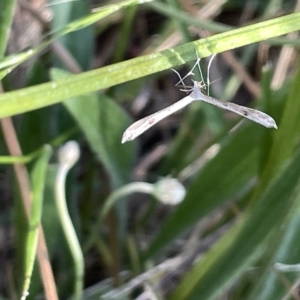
(271, 203)
(285, 143)
(180, 15)
(128, 23)
(80, 43)
(202, 196)
(6, 17)
(10, 62)
(269, 211)
(103, 123)
(271, 285)
(38, 178)
(46, 94)
(287, 135)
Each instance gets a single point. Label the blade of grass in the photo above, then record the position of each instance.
(173, 4)
(38, 178)
(269, 211)
(7, 9)
(271, 286)
(128, 23)
(287, 136)
(10, 62)
(49, 93)
(21, 173)
(102, 131)
(179, 15)
(239, 156)
(271, 202)
(80, 43)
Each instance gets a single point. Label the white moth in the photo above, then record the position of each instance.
(144, 124)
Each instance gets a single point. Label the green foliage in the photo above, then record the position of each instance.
(38, 185)
(241, 179)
